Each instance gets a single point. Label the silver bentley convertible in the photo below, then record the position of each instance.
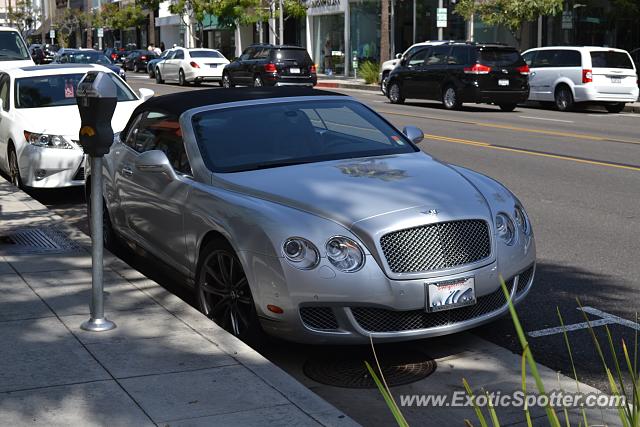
(306, 215)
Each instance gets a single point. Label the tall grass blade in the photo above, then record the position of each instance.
(476, 408)
(523, 368)
(402, 422)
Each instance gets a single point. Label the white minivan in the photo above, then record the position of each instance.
(567, 75)
(13, 50)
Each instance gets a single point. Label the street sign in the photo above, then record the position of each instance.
(100, 32)
(441, 17)
(567, 20)
(52, 34)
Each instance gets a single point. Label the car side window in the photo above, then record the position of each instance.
(261, 54)
(247, 54)
(459, 55)
(438, 55)
(529, 58)
(418, 59)
(412, 51)
(161, 131)
(544, 58)
(4, 92)
(179, 54)
(568, 58)
(170, 55)
(129, 137)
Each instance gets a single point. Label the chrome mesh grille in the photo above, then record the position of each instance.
(381, 320)
(318, 318)
(524, 278)
(436, 246)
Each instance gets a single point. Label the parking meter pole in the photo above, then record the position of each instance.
(97, 322)
(96, 97)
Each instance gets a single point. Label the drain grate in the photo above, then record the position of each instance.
(36, 241)
(349, 371)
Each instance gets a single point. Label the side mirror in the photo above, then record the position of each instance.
(414, 134)
(146, 93)
(154, 161)
(398, 55)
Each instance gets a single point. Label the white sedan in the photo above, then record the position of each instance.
(191, 65)
(40, 122)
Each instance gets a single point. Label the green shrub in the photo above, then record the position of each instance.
(369, 71)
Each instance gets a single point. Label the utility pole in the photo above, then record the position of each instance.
(281, 36)
(440, 29)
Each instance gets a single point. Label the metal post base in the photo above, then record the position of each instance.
(98, 325)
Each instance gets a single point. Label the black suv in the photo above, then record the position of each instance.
(270, 65)
(462, 72)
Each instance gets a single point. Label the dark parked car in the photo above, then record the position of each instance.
(50, 51)
(116, 55)
(137, 60)
(77, 56)
(271, 65)
(635, 55)
(151, 65)
(37, 54)
(462, 72)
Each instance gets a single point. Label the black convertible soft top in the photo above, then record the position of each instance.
(178, 103)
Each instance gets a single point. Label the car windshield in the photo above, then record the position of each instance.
(610, 59)
(58, 90)
(87, 58)
(272, 135)
(12, 47)
(500, 57)
(205, 54)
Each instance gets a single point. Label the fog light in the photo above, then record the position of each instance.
(40, 174)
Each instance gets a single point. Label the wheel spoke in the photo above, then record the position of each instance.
(223, 303)
(242, 317)
(234, 321)
(211, 272)
(207, 288)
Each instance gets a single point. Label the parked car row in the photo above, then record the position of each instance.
(466, 72)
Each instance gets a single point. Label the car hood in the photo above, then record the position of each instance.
(357, 192)
(65, 120)
(7, 65)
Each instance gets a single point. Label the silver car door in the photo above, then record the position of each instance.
(5, 126)
(153, 201)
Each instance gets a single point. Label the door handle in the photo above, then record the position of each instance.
(126, 171)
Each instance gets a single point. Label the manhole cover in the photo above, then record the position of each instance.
(36, 241)
(348, 370)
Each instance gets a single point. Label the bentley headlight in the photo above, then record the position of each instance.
(505, 228)
(301, 253)
(522, 220)
(345, 254)
(46, 141)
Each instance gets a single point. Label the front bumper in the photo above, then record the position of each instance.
(324, 306)
(51, 167)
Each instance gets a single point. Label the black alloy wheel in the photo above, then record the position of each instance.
(395, 93)
(223, 291)
(564, 99)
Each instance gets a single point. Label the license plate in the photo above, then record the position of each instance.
(213, 65)
(616, 80)
(450, 294)
(503, 82)
(294, 70)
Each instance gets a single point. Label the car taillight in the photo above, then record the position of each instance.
(143, 58)
(194, 64)
(313, 69)
(477, 69)
(587, 76)
(114, 56)
(524, 70)
(270, 68)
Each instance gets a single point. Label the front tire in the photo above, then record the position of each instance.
(450, 99)
(136, 68)
(384, 82)
(14, 169)
(110, 238)
(226, 81)
(564, 99)
(159, 77)
(507, 107)
(395, 94)
(223, 292)
(615, 107)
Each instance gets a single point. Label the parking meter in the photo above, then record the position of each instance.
(97, 98)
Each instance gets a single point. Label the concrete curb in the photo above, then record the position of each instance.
(315, 407)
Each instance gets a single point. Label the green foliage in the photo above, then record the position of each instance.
(369, 71)
(509, 13)
(66, 23)
(119, 18)
(243, 12)
(23, 15)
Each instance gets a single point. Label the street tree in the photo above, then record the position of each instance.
(511, 14)
(67, 22)
(384, 31)
(24, 16)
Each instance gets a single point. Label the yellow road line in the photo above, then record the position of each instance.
(517, 128)
(531, 153)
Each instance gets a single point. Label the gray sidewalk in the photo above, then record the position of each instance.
(165, 363)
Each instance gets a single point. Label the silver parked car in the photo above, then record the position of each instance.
(307, 215)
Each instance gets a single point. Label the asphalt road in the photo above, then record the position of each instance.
(578, 175)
